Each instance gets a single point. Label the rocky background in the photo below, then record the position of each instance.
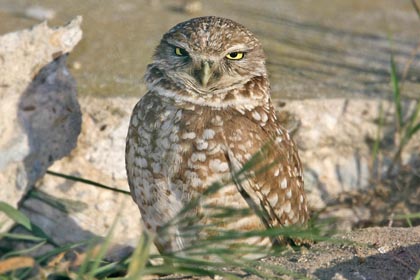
(44, 125)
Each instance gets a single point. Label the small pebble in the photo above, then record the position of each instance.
(192, 6)
(76, 65)
(39, 13)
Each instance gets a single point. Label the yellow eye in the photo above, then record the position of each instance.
(235, 55)
(180, 52)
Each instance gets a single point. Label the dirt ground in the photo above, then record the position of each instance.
(373, 253)
(377, 253)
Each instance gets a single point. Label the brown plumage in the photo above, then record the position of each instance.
(207, 112)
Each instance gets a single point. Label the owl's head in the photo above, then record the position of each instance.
(210, 55)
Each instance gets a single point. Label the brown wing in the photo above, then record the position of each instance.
(266, 167)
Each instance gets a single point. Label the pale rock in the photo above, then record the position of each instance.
(39, 112)
(335, 141)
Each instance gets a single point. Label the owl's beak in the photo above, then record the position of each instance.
(205, 73)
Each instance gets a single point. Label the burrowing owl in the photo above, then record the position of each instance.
(207, 112)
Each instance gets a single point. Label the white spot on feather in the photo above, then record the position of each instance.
(178, 115)
(198, 156)
(201, 144)
(208, 133)
(273, 199)
(217, 166)
(135, 121)
(217, 120)
(173, 137)
(164, 143)
(141, 162)
(167, 125)
(256, 115)
(240, 110)
(264, 117)
(287, 207)
(289, 193)
(283, 183)
(265, 190)
(188, 135)
(196, 182)
(156, 167)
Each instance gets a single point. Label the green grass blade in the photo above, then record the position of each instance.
(25, 237)
(377, 143)
(279, 270)
(86, 181)
(37, 231)
(94, 266)
(140, 257)
(15, 215)
(43, 259)
(84, 267)
(405, 216)
(62, 204)
(417, 9)
(189, 267)
(414, 130)
(396, 93)
(24, 251)
(108, 269)
(417, 275)
(411, 128)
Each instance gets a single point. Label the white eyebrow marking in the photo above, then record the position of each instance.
(179, 44)
(238, 48)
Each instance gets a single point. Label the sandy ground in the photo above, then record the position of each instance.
(372, 253)
(377, 253)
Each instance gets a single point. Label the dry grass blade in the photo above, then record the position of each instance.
(15, 263)
(56, 260)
